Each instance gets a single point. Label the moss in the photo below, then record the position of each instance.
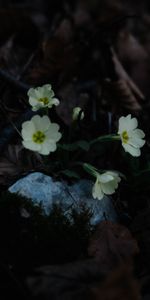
(29, 238)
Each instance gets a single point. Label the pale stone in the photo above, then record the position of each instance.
(42, 189)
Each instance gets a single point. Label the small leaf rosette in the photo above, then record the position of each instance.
(40, 135)
(131, 136)
(42, 97)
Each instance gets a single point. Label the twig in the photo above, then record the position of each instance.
(25, 67)
(7, 133)
(14, 281)
(12, 80)
(123, 74)
(9, 120)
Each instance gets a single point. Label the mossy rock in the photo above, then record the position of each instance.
(29, 238)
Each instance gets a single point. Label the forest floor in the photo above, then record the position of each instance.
(96, 55)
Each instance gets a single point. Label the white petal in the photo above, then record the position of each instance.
(56, 101)
(48, 147)
(58, 136)
(132, 124)
(122, 124)
(132, 150)
(136, 142)
(47, 87)
(52, 102)
(44, 151)
(31, 93)
(41, 123)
(35, 108)
(26, 134)
(38, 93)
(139, 133)
(127, 124)
(105, 177)
(55, 137)
(28, 129)
(41, 92)
(97, 191)
(31, 145)
(33, 101)
(52, 132)
(109, 187)
(52, 146)
(115, 175)
(47, 92)
(45, 123)
(37, 122)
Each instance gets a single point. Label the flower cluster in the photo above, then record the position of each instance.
(106, 183)
(40, 135)
(42, 97)
(131, 136)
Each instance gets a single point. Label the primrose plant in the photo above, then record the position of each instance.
(41, 135)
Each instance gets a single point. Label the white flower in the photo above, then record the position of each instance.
(131, 136)
(42, 97)
(40, 135)
(106, 183)
(76, 112)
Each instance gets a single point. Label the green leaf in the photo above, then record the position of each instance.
(90, 169)
(68, 147)
(70, 174)
(106, 138)
(84, 145)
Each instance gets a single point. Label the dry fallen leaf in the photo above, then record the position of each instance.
(17, 161)
(123, 93)
(119, 285)
(60, 282)
(112, 244)
(84, 280)
(141, 229)
(133, 53)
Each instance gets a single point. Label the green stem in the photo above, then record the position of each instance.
(90, 169)
(106, 138)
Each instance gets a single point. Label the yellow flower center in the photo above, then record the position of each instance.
(38, 137)
(44, 100)
(125, 137)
